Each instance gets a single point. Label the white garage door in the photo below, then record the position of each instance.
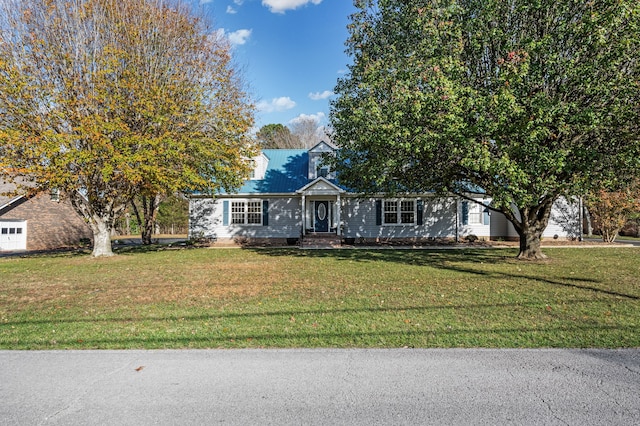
(13, 235)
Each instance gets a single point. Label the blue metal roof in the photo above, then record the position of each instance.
(287, 171)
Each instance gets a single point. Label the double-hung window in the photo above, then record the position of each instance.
(390, 211)
(475, 214)
(399, 212)
(246, 212)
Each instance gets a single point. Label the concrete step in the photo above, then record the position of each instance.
(321, 241)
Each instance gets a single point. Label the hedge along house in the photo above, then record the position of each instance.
(291, 196)
(42, 221)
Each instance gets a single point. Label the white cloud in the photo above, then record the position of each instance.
(206, 1)
(318, 118)
(239, 37)
(231, 10)
(281, 6)
(276, 104)
(317, 96)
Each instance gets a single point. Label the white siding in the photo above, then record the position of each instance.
(206, 220)
(564, 221)
(439, 219)
(359, 219)
(478, 227)
(500, 226)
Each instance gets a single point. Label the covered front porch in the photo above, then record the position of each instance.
(321, 203)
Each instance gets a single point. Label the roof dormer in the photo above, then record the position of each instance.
(260, 163)
(316, 168)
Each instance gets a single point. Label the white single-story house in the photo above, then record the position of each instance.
(292, 195)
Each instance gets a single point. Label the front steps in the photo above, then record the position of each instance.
(321, 241)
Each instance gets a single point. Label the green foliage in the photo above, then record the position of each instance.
(172, 218)
(525, 100)
(106, 99)
(277, 136)
(173, 215)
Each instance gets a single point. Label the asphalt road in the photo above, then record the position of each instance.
(321, 387)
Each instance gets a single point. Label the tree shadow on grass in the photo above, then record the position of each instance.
(569, 282)
(52, 253)
(501, 337)
(221, 336)
(215, 315)
(124, 249)
(417, 257)
(450, 260)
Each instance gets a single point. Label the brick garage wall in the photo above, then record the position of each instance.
(50, 224)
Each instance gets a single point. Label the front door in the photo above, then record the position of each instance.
(322, 216)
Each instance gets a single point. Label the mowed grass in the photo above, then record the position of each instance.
(274, 298)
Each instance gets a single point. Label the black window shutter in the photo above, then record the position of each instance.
(265, 213)
(419, 209)
(378, 212)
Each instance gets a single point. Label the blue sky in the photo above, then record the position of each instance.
(291, 52)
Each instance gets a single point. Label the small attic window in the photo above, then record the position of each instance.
(54, 194)
(323, 171)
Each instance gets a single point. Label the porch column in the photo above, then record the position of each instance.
(457, 220)
(304, 215)
(338, 215)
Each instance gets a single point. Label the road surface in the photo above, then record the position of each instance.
(321, 387)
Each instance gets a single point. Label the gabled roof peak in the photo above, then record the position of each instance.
(321, 185)
(323, 146)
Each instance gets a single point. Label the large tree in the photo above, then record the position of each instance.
(277, 136)
(108, 99)
(307, 129)
(525, 100)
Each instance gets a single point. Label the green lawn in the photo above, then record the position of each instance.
(230, 298)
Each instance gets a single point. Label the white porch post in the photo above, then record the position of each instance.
(304, 215)
(457, 220)
(338, 214)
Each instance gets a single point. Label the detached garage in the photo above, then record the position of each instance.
(13, 235)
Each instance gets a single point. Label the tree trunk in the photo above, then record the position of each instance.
(530, 245)
(147, 220)
(587, 216)
(101, 237)
(530, 226)
(609, 235)
(127, 217)
(148, 225)
(100, 218)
